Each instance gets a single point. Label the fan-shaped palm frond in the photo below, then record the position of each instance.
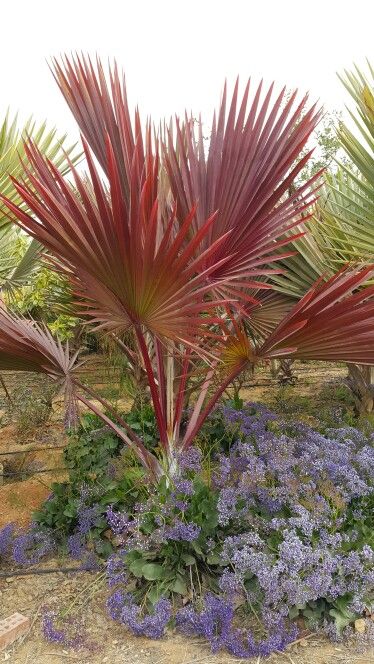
(347, 204)
(19, 259)
(12, 153)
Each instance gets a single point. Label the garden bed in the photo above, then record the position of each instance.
(112, 643)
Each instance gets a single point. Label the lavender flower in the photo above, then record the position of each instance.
(182, 531)
(6, 537)
(153, 626)
(86, 518)
(117, 521)
(190, 460)
(287, 499)
(76, 546)
(115, 604)
(122, 608)
(55, 634)
(31, 546)
(116, 571)
(215, 623)
(183, 486)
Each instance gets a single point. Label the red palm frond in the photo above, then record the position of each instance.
(267, 312)
(129, 265)
(27, 346)
(333, 321)
(247, 175)
(100, 108)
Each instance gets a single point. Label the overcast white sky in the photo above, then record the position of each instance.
(177, 53)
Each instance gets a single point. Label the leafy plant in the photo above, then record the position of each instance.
(177, 561)
(46, 297)
(104, 471)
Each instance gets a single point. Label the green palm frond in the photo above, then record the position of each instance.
(303, 268)
(12, 153)
(346, 207)
(361, 89)
(361, 152)
(347, 219)
(24, 269)
(342, 229)
(19, 259)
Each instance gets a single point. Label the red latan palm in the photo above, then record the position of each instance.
(179, 276)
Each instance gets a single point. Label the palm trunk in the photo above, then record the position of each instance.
(3, 385)
(360, 381)
(274, 368)
(286, 375)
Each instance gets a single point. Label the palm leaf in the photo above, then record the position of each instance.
(100, 108)
(246, 175)
(21, 274)
(12, 153)
(125, 276)
(333, 321)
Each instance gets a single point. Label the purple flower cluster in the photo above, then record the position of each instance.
(6, 539)
(286, 490)
(289, 503)
(87, 515)
(31, 546)
(118, 522)
(116, 569)
(215, 622)
(122, 607)
(190, 460)
(68, 637)
(169, 522)
(25, 546)
(303, 480)
(181, 531)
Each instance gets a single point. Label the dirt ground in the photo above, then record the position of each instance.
(112, 644)
(108, 642)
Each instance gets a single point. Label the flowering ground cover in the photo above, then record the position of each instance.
(261, 539)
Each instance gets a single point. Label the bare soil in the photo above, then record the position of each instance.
(108, 642)
(111, 643)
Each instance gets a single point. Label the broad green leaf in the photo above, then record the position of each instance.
(153, 571)
(179, 586)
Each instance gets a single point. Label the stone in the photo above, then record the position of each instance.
(13, 627)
